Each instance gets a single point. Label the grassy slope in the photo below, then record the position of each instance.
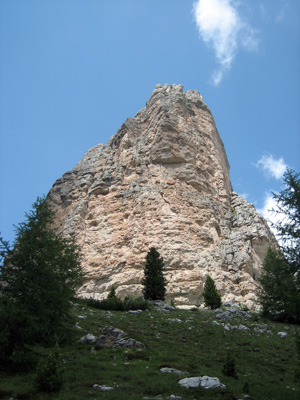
(263, 360)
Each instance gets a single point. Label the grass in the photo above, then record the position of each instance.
(264, 362)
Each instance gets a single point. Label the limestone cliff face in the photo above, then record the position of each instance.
(163, 181)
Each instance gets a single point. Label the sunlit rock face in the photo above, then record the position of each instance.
(163, 180)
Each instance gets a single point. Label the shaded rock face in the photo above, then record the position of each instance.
(163, 181)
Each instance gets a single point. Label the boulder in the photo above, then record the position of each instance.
(206, 382)
(111, 337)
(282, 335)
(104, 388)
(172, 371)
(88, 339)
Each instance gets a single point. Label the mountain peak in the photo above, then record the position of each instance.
(163, 180)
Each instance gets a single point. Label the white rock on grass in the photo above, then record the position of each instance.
(206, 382)
(135, 311)
(104, 388)
(282, 335)
(89, 338)
(172, 371)
(174, 320)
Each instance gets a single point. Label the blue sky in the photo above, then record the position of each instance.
(72, 71)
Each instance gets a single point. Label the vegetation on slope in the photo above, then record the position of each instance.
(190, 341)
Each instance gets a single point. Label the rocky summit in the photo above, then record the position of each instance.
(163, 181)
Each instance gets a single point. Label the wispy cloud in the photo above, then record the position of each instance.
(282, 12)
(270, 212)
(263, 10)
(221, 27)
(272, 167)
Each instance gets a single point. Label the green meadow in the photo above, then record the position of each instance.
(188, 341)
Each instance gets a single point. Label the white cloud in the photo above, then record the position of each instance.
(272, 167)
(263, 10)
(282, 13)
(268, 211)
(221, 27)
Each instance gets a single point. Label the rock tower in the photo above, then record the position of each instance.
(163, 180)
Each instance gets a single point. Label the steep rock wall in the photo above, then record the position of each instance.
(163, 180)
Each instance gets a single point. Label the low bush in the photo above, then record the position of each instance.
(49, 376)
(135, 304)
(116, 304)
(229, 366)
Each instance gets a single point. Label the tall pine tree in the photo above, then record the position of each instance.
(280, 279)
(39, 276)
(154, 281)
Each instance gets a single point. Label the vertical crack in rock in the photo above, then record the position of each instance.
(163, 180)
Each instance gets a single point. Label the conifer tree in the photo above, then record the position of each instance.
(39, 277)
(154, 281)
(49, 374)
(212, 298)
(112, 293)
(279, 294)
(229, 366)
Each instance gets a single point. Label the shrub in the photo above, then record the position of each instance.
(112, 304)
(229, 366)
(246, 388)
(49, 376)
(135, 304)
(116, 304)
(297, 368)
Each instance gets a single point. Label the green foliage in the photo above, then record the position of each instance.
(116, 304)
(15, 335)
(112, 304)
(112, 293)
(278, 293)
(135, 304)
(49, 375)
(280, 278)
(297, 368)
(229, 366)
(288, 226)
(39, 277)
(246, 388)
(297, 342)
(154, 281)
(212, 298)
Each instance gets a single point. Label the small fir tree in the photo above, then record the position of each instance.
(212, 298)
(49, 375)
(229, 366)
(154, 281)
(297, 367)
(112, 293)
